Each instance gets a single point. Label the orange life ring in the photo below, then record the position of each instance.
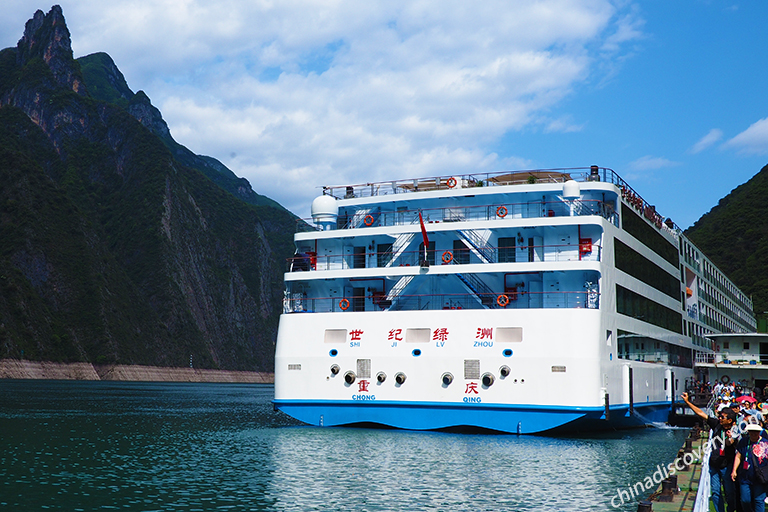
(344, 304)
(368, 220)
(502, 300)
(447, 257)
(451, 182)
(501, 211)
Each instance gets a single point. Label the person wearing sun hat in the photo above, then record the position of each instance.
(751, 456)
(725, 428)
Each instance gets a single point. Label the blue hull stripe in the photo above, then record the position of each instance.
(511, 418)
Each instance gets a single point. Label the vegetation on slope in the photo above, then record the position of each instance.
(734, 235)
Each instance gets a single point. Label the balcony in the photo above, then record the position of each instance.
(454, 301)
(352, 219)
(532, 253)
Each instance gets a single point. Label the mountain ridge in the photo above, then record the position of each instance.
(734, 235)
(117, 247)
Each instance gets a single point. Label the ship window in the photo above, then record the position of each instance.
(430, 252)
(417, 335)
(383, 255)
(509, 334)
(640, 229)
(746, 345)
(638, 266)
(637, 306)
(358, 299)
(507, 250)
(358, 258)
(726, 345)
(460, 252)
(335, 335)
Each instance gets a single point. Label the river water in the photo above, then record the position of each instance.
(71, 445)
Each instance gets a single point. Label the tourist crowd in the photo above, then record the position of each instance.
(738, 463)
(726, 392)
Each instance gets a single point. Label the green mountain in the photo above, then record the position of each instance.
(117, 244)
(105, 82)
(734, 235)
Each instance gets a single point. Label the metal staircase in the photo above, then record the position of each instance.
(478, 245)
(482, 291)
(399, 246)
(396, 290)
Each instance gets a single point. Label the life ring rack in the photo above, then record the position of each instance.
(447, 257)
(501, 211)
(344, 304)
(452, 182)
(725, 379)
(502, 300)
(368, 220)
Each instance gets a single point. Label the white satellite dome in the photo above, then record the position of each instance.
(571, 189)
(325, 210)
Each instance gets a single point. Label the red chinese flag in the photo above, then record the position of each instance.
(423, 232)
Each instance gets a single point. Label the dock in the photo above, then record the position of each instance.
(678, 493)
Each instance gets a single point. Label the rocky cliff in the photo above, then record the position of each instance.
(118, 245)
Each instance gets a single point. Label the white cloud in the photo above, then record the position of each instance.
(562, 125)
(627, 29)
(300, 93)
(706, 141)
(651, 163)
(752, 141)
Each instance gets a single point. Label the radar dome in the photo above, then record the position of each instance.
(325, 210)
(571, 189)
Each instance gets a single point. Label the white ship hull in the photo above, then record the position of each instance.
(532, 398)
(533, 316)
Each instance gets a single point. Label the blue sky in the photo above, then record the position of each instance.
(296, 94)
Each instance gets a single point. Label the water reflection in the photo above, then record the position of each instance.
(144, 447)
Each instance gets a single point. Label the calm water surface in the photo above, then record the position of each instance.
(199, 447)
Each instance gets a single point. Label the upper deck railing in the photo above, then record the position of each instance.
(528, 210)
(485, 179)
(496, 179)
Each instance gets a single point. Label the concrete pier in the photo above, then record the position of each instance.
(687, 482)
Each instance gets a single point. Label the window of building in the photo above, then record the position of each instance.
(460, 252)
(430, 252)
(358, 258)
(383, 255)
(507, 250)
(358, 299)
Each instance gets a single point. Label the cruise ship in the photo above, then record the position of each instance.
(523, 302)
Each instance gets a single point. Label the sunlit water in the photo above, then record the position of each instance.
(201, 447)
